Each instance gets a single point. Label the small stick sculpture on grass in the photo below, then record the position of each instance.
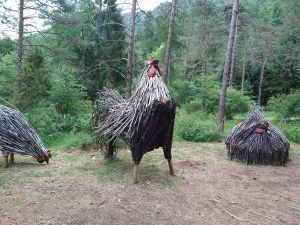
(17, 136)
(145, 121)
(256, 141)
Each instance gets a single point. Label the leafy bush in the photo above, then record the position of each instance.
(286, 105)
(196, 126)
(208, 102)
(236, 102)
(183, 90)
(66, 92)
(50, 124)
(7, 76)
(35, 80)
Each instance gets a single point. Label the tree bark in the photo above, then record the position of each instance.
(231, 77)
(244, 60)
(130, 50)
(20, 53)
(169, 42)
(221, 114)
(261, 78)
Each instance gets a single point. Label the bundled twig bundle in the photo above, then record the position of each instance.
(145, 121)
(17, 136)
(256, 141)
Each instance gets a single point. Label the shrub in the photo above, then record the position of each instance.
(196, 126)
(286, 106)
(236, 103)
(183, 90)
(208, 102)
(66, 93)
(50, 124)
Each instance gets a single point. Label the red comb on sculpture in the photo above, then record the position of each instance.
(153, 60)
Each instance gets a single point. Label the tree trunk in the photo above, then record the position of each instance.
(221, 114)
(169, 42)
(261, 78)
(130, 50)
(231, 77)
(244, 60)
(20, 54)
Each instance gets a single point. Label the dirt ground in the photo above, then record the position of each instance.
(79, 187)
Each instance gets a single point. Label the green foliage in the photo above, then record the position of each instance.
(290, 129)
(66, 92)
(7, 76)
(6, 46)
(70, 140)
(196, 126)
(183, 90)
(286, 105)
(92, 36)
(204, 94)
(50, 124)
(35, 79)
(236, 103)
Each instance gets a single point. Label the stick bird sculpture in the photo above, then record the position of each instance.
(17, 136)
(145, 121)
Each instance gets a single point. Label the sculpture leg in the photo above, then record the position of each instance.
(12, 158)
(168, 156)
(6, 161)
(137, 155)
(171, 167)
(136, 173)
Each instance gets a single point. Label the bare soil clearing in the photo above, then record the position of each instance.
(79, 187)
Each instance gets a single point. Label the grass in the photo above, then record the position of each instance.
(153, 169)
(6, 179)
(72, 140)
(37, 174)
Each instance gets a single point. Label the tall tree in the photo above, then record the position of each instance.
(231, 75)
(89, 35)
(169, 42)
(35, 79)
(261, 78)
(20, 52)
(221, 114)
(130, 50)
(244, 59)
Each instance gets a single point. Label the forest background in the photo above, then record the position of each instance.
(83, 48)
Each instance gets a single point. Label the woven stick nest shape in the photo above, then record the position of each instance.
(145, 121)
(17, 136)
(257, 141)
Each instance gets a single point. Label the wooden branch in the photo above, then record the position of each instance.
(259, 214)
(30, 25)
(43, 46)
(230, 214)
(295, 208)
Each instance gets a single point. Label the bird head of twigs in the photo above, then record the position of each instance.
(154, 69)
(45, 157)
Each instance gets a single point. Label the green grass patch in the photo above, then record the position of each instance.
(153, 170)
(72, 140)
(37, 174)
(6, 179)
